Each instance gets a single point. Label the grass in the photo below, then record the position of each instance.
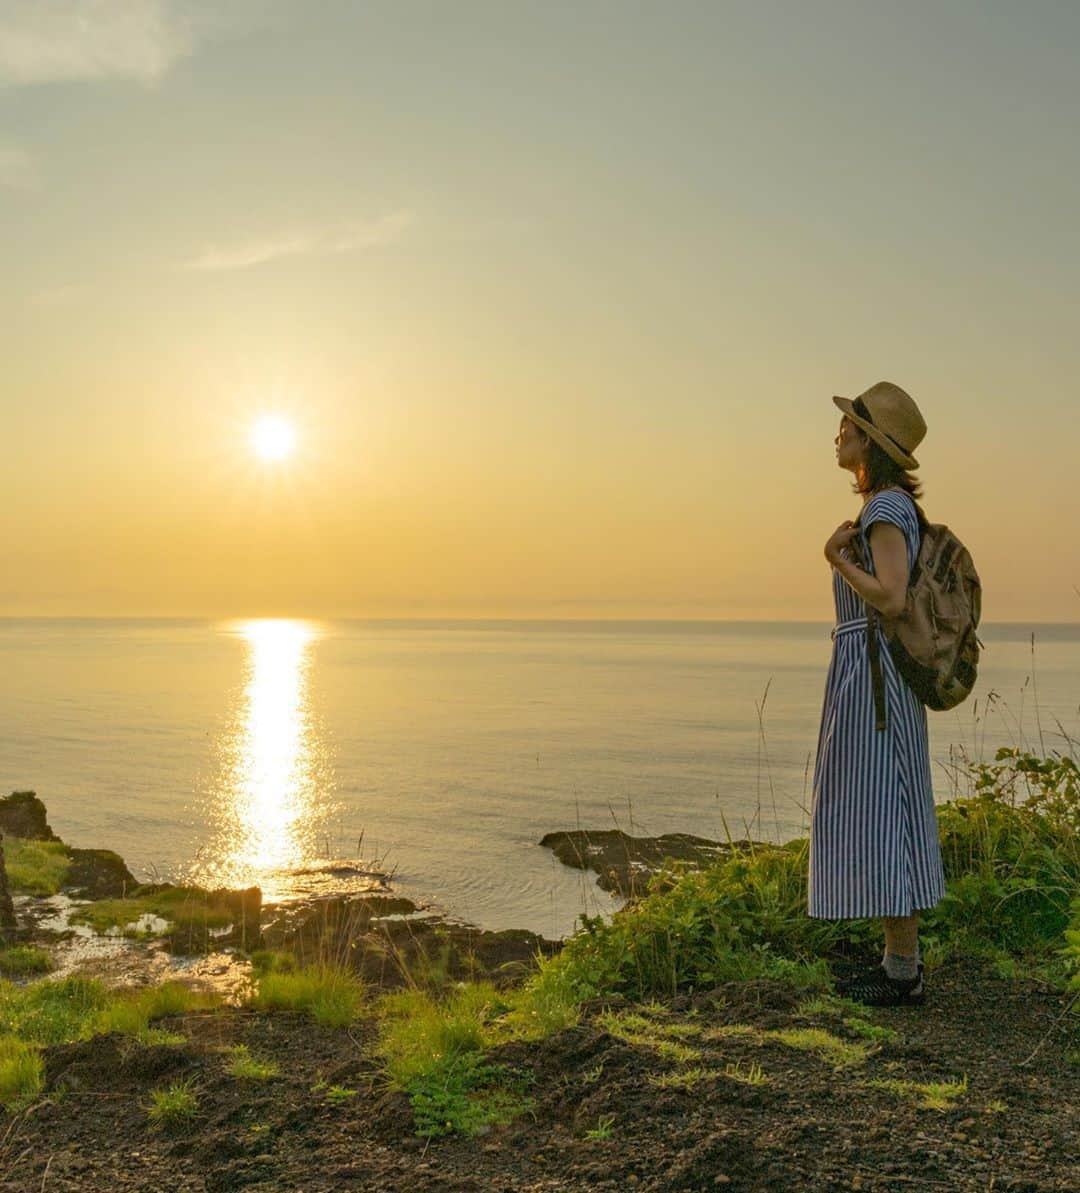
(634, 1028)
(175, 1107)
(930, 1095)
(822, 1044)
(329, 995)
(433, 1049)
(184, 908)
(753, 1074)
(603, 1128)
(683, 1078)
(76, 1008)
(21, 1072)
(245, 1067)
(36, 867)
(24, 961)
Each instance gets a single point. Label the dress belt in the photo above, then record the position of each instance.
(849, 627)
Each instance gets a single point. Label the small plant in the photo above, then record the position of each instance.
(732, 1031)
(466, 1093)
(602, 1130)
(245, 1067)
(157, 1037)
(877, 1032)
(752, 1075)
(593, 1075)
(931, 1095)
(175, 1107)
(683, 1078)
(337, 1095)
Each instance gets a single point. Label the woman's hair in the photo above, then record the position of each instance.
(881, 471)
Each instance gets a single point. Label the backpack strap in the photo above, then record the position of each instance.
(876, 680)
(873, 643)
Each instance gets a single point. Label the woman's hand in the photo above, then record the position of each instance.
(840, 537)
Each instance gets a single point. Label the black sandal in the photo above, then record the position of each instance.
(877, 989)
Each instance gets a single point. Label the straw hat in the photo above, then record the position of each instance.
(891, 418)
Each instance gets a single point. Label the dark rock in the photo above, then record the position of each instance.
(22, 814)
(8, 927)
(624, 864)
(99, 874)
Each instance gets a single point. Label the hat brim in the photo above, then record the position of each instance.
(875, 433)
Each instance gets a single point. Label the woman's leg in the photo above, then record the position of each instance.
(901, 958)
(902, 933)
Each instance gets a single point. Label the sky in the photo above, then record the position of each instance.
(554, 295)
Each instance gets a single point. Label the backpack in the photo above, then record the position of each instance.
(933, 642)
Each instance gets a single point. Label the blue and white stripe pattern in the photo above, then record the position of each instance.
(874, 847)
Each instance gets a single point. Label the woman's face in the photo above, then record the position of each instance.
(850, 445)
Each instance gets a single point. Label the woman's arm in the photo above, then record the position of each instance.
(887, 590)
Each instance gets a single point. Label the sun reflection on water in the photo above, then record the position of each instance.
(273, 793)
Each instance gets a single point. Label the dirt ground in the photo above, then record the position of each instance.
(808, 1125)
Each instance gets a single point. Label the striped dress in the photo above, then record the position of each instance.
(874, 847)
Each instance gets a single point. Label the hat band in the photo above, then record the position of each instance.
(859, 406)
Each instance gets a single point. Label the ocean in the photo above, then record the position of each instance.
(232, 752)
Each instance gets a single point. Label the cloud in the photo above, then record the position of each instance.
(46, 41)
(347, 240)
(18, 171)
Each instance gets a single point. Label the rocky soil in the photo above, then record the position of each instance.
(606, 1114)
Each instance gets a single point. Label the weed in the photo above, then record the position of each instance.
(466, 1093)
(593, 1075)
(157, 1037)
(931, 1095)
(730, 1031)
(840, 1053)
(602, 1130)
(683, 1078)
(175, 1107)
(871, 1031)
(245, 1067)
(752, 1075)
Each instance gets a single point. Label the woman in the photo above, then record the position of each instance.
(874, 848)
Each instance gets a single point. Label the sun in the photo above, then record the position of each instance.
(272, 437)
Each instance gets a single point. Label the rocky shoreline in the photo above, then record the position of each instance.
(383, 935)
(748, 1085)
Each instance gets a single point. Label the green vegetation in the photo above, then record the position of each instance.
(328, 994)
(823, 1044)
(24, 961)
(602, 1130)
(753, 1074)
(931, 1095)
(683, 1078)
(36, 867)
(175, 1107)
(184, 908)
(432, 1049)
(245, 1067)
(21, 1072)
(76, 1008)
